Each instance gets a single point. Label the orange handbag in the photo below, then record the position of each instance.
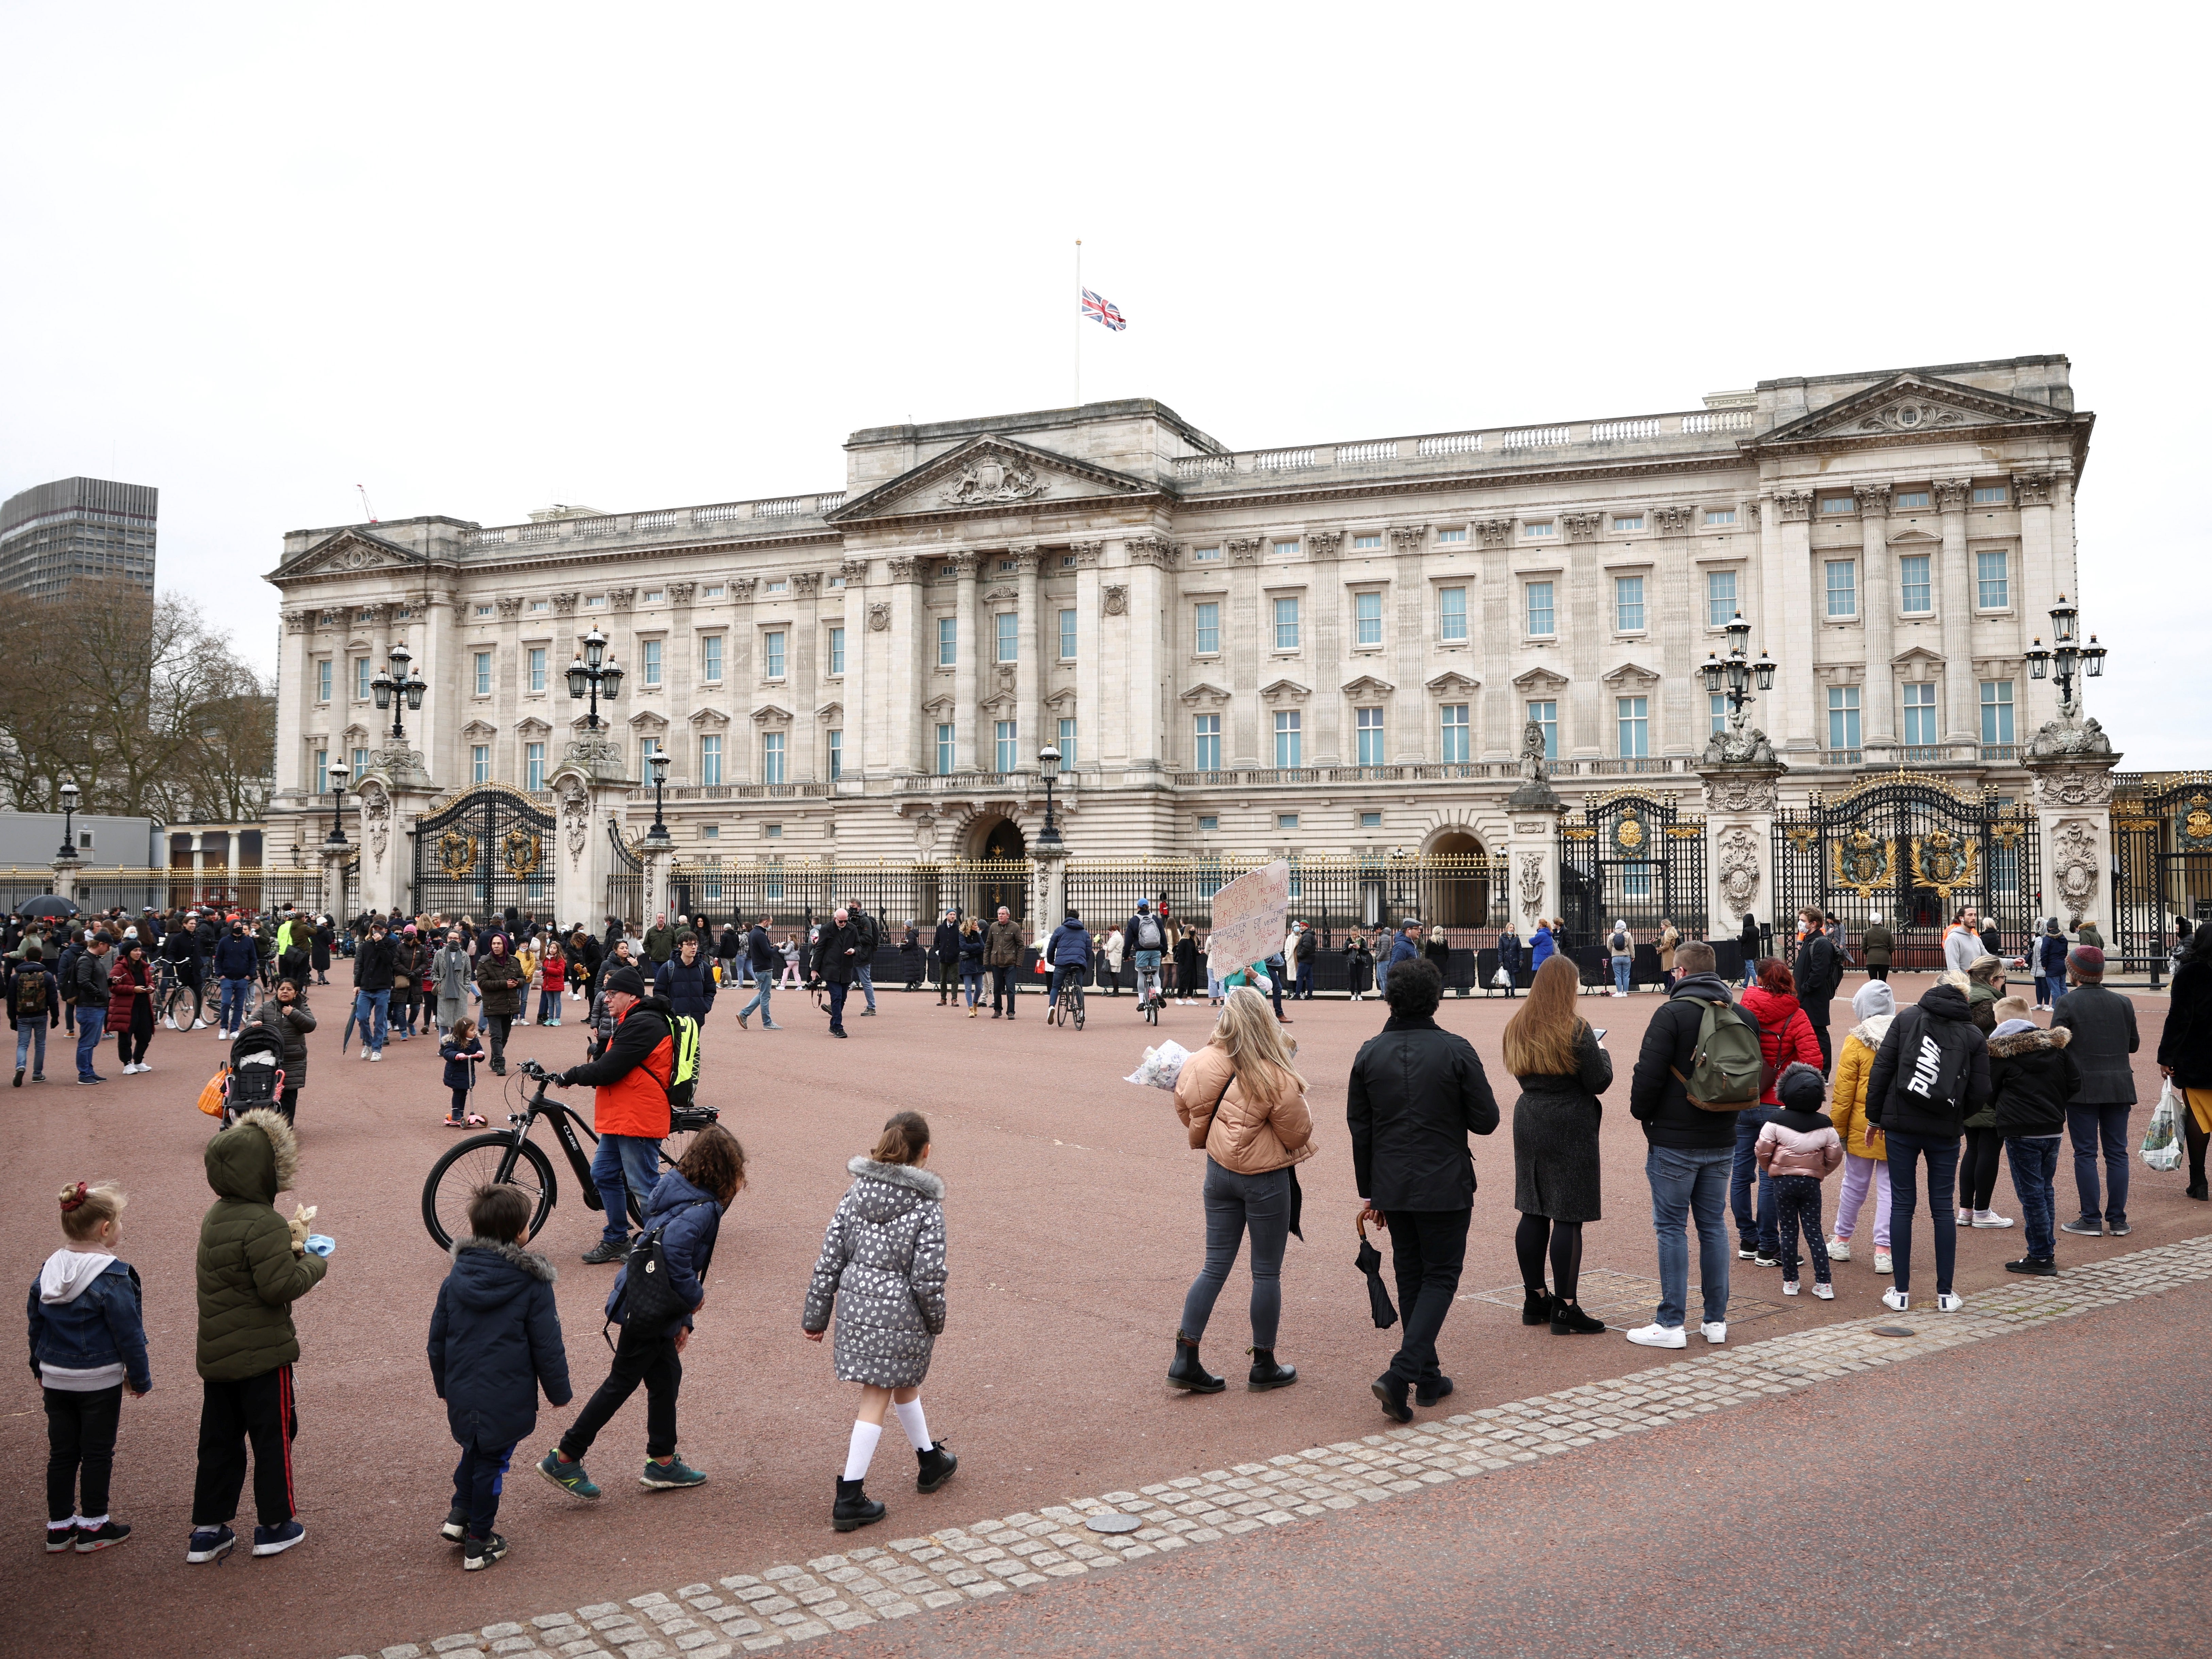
(211, 1095)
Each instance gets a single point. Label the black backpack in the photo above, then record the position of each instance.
(649, 1299)
(31, 991)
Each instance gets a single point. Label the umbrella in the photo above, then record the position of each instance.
(1370, 1262)
(50, 904)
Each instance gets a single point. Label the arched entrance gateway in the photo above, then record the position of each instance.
(1001, 872)
(1455, 881)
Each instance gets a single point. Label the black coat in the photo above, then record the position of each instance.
(318, 951)
(1656, 1096)
(1818, 970)
(2103, 1023)
(1748, 939)
(372, 964)
(945, 943)
(2185, 1044)
(761, 954)
(2033, 1077)
(1417, 1092)
(1932, 1070)
(686, 990)
(495, 1342)
(836, 953)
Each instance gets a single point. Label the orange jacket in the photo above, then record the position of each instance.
(631, 1078)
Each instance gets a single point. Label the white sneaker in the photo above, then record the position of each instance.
(378, 1055)
(1824, 1292)
(1949, 1302)
(1658, 1336)
(1788, 1287)
(1839, 1249)
(1965, 1218)
(1881, 1262)
(364, 1051)
(199, 1025)
(1895, 1300)
(129, 1070)
(1716, 1331)
(1992, 1219)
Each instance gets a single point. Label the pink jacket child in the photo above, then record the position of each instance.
(1798, 1147)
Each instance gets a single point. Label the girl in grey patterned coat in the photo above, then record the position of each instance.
(882, 1268)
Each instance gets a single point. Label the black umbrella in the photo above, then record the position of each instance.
(1370, 1262)
(50, 904)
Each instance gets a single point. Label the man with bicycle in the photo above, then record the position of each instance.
(629, 1104)
(1148, 938)
(1069, 952)
(181, 956)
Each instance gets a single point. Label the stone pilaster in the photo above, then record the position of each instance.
(586, 794)
(1878, 602)
(2072, 763)
(970, 645)
(1961, 717)
(1739, 807)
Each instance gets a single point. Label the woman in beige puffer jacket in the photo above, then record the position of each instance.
(1245, 1105)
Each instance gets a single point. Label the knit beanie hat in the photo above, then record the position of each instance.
(2087, 961)
(1802, 1088)
(626, 979)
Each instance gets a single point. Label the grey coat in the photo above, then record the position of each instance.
(1555, 1124)
(2104, 1027)
(883, 1267)
(449, 981)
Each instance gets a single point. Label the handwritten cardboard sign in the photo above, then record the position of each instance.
(1248, 918)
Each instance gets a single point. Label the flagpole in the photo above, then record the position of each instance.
(1079, 322)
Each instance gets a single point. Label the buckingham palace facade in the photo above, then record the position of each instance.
(1333, 648)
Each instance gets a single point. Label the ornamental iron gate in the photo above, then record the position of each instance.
(2162, 830)
(1464, 893)
(489, 849)
(1634, 858)
(1911, 851)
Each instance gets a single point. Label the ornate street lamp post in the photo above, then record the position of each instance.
(70, 794)
(1048, 765)
(399, 690)
(594, 672)
(1738, 673)
(657, 763)
(2067, 658)
(339, 772)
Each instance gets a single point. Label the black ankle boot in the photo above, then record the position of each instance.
(1569, 1320)
(854, 1509)
(2199, 1191)
(937, 1466)
(1267, 1374)
(1187, 1373)
(1535, 1305)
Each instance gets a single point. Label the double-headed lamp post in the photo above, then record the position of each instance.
(1048, 765)
(339, 772)
(594, 672)
(1737, 674)
(657, 763)
(399, 690)
(69, 796)
(2066, 658)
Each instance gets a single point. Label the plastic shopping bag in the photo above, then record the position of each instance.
(211, 1094)
(1160, 1066)
(1503, 979)
(2161, 1141)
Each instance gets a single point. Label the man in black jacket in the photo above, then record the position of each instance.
(944, 946)
(1304, 951)
(836, 954)
(373, 966)
(1930, 1074)
(1818, 970)
(1689, 1153)
(764, 962)
(2103, 1023)
(868, 940)
(1417, 1092)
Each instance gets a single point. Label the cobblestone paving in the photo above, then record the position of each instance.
(752, 1612)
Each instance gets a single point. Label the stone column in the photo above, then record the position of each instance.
(1090, 682)
(1786, 591)
(199, 862)
(2073, 770)
(970, 644)
(859, 758)
(1960, 722)
(335, 856)
(1878, 600)
(436, 725)
(295, 697)
(65, 873)
(1048, 887)
(1740, 804)
(586, 791)
(659, 860)
(1150, 559)
(507, 685)
(2037, 585)
(804, 764)
(679, 675)
(902, 687)
(1247, 646)
(1409, 715)
(1029, 659)
(1533, 815)
(1325, 626)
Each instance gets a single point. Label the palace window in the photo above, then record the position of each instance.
(323, 772)
(1008, 641)
(1842, 587)
(1068, 636)
(1367, 619)
(712, 591)
(1286, 550)
(479, 763)
(1451, 615)
(1541, 527)
(1843, 717)
(652, 650)
(1208, 821)
(484, 673)
(533, 766)
(1008, 745)
(1367, 543)
(1206, 628)
(1715, 517)
(1286, 820)
(772, 654)
(710, 757)
(598, 601)
(948, 641)
(1289, 741)
(1920, 714)
(1628, 604)
(1197, 555)
(537, 668)
(1622, 521)
(1540, 616)
(780, 585)
(836, 755)
(361, 679)
(1066, 743)
(1718, 709)
(1634, 718)
(1546, 716)
(539, 606)
(359, 761)
(1836, 503)
(1720, 598)
(1369, 722)
(1286, 624)
(1907, 499)
(1458, 533)
(944, 747)
(323, 683)
(1206, 742)
(1991, 495)
(1455, 732)
(772, 744)
(647, 749)
(1993, 582)
(710, 658)
(483, 610)
(1996, 711)
(1370, 820)
(1916, 594)
(837, 651)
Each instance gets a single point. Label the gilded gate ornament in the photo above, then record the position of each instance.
(2196, 823)
(1861, 863)
(1629, 834)
(457, 855)
(522, 850)
(1944, 862)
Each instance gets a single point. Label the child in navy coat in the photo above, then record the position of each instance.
(461, 1051)
(495, 1342)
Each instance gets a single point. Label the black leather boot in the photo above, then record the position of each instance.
(1267, 1374)
(1535, 1305)
(1187, 1373)
(854, 1509)
(937, 1466)
(1569, 1320)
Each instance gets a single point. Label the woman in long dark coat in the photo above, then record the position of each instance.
(1748, 939)
(320, 951)
(1562, 1070)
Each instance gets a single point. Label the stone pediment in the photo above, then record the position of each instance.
(1065, 697)
(990, 474)
(480, 728)
(1631, 674)
(1284, 691)
(768, 714)
(1206, 694)
(1919, 666)
(941, 705)
(347, 551)
(1914, 406)
(708, 717)
(646, 720)
(531, 725)
(1907, 539)
(1539, 679)
(831, 713)
(1451, 680)
(1367, 686)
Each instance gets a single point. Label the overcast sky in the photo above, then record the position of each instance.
(480, 258)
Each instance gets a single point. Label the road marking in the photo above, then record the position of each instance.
(787, 1603)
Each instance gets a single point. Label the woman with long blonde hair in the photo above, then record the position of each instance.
(1562, 1070)
(1245, 1103)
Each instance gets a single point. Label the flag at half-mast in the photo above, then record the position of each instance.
(1104, 311)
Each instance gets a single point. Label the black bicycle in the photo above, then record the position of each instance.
(1066, 1005)
(510, 1155)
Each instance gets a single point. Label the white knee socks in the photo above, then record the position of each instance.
(857, 1456)
(910, 1419)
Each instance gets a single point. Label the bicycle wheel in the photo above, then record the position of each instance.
(1078, 1015)
(475, 1163)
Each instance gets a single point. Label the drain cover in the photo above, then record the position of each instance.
(1892, 1330)
(1112, 1523)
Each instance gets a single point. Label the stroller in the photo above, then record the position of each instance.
(256, 1074)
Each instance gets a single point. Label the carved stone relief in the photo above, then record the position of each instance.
(992, 478)
(1740, 791)
(1737, 869)
(805, 583)
(1494, 532)
(1117, 599)
(510, 609)
(2075, 864)
(2073, 786)
(879, 617)
(1796, 505)
(1531, 885)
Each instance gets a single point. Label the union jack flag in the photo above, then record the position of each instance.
(1104, 311)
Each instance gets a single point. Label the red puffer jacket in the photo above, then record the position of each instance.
(1784, 1035)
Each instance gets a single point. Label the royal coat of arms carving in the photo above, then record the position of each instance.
(992, 478)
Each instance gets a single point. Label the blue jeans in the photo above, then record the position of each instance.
(1690, 1183)
(2088, 1125)
(2034, 1163)
(864, 977)
(28, 1032)
(549, 1005)
(371, 1008)
(233, 1011)
(620, 1158)
(1304, 990)
(1235, 1203)
(764, 982)
(476, 1481)
(1760, 1233)
(1067, 973)
(1620, 968)
(1943, 1154)
(971, 983)
(837, 995)
(89, 1024)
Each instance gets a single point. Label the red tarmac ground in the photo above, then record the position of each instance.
(1075, 1229)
